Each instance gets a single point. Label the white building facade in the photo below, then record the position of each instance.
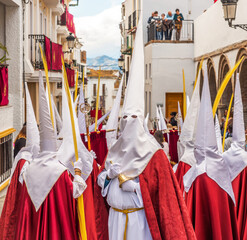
(164, 60)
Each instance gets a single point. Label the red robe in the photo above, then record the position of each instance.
(182, 169)
(239, 186)
(165, 209)
(89, 209)
(211, 210)
(55, 219)
(9, 216)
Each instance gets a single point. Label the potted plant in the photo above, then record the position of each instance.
(4, 58)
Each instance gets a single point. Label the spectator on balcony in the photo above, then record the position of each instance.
(159, 28)
(170, 25)
(167, 27)
(178, 18)
(150, 19)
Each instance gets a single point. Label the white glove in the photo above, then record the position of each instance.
(78, 164)
(79, 186)
(130, 186)
(93, 154)
(114, 171)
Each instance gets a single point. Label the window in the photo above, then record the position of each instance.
(146, 102)
(150, 102)
(41, 23)
(146, 71)
(150, 70)
(134, 5)
(45, 23)
(94, 90)
(31, 17)
(5, 157)
(103, 90)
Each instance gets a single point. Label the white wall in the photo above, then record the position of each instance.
(212, 31)
(168, 60)
(109, 100)
(195, 7)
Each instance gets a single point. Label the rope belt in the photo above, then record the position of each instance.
(126, 212)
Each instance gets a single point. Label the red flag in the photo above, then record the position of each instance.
(4, 92)
(48, 52)
(56, 56)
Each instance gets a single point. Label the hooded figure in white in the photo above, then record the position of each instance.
(44, 170)
(112, 122)
(187, 136)
(208, 158)
(32, 148)
(129, 156)
(236, 156)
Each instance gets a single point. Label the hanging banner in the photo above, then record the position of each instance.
(56, 56)
(4, 91)
(48, 52)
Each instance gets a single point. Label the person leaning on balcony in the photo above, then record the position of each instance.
(159, 28)
(178, 18)
(20, 140)
(151, 18)
(170, 23)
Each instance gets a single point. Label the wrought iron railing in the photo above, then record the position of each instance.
(186, 34)
(36, 58)
(6, 153)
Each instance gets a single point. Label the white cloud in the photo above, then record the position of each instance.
(100, 33)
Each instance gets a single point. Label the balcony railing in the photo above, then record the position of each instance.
(187, 32)
(6, 152)
(36, 58)
(51, 50)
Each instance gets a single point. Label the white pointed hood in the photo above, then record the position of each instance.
(187, 103)
(187, 136)
(112, 122)
(59, 123)
(146, 123)
(208, 158)
(218, 134)
(158, 119)
(32, 148)
(81, 116)
(92, 127)
(181, 123)
(43, 172)
(47, 134)
(236, 156)
(135, 147)
(163, 125)
(66, 151)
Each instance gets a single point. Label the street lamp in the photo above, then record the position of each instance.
(71, 41)
(230, 9)
(121, 62)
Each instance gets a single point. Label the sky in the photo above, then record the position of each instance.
(97, 24)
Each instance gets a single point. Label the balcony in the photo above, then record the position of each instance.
(59, 9)
(186, 35)
(51, 50)
(52, 3)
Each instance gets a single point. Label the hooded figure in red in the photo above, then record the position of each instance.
(236, 159)
(8, 221)
(210, 198)
(187, 138)
(142, 197)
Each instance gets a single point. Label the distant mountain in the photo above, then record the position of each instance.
(106, 63)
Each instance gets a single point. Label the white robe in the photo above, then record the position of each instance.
(137, 223)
